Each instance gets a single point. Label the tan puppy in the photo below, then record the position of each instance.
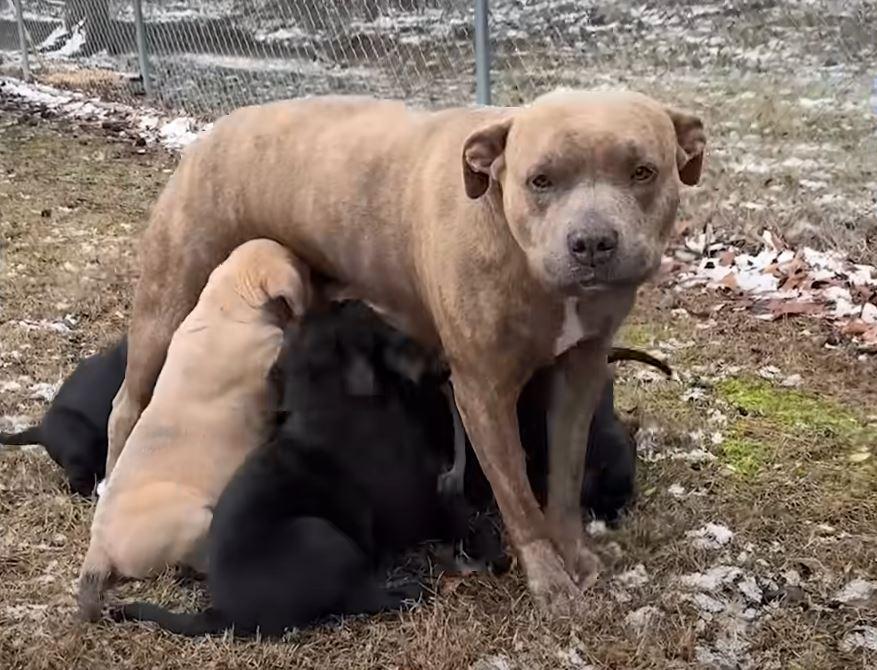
(506, 238)
(211, 407)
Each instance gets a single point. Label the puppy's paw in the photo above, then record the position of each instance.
(450, 483)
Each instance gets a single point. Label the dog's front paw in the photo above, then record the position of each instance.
(550, 585)
(584, 565)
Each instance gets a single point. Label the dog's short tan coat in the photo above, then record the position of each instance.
(506, 238)
(211, 407)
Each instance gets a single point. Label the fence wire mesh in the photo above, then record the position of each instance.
(208, 56)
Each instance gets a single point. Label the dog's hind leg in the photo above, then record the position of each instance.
(182, 623)
(32, 435)
(372, 598)
(96, 572)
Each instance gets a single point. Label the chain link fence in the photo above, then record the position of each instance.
(205, 57)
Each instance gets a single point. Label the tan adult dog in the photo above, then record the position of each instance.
(211, 407)
(504, 237)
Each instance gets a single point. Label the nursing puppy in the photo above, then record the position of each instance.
(350, 479)
(211, 408)
(74, 428)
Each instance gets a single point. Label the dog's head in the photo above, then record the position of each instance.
(588, 182)
(261, 277)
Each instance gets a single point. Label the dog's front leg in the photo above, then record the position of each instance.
(578, 379)
(490, 417)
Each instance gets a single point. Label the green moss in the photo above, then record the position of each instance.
(636, 336)
(744, 455)
(791, 410)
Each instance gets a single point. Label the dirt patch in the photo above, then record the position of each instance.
(757, 508)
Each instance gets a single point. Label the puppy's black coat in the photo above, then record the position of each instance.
(350, 479)
(74, 428)
(609, 482)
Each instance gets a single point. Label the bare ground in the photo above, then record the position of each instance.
(787, 474)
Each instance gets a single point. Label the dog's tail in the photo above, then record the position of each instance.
(96, 571)
(32, 435)
(200, 623)
(625, 354)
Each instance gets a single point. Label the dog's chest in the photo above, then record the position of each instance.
(591, 317)
(571, 329)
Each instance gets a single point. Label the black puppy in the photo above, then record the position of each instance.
(609, 482)
(74, 428)
(350, 479)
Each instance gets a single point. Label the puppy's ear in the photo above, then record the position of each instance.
(288, 283)
(482, 157)
(690, 144)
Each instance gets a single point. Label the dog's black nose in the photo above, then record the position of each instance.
(592, 248)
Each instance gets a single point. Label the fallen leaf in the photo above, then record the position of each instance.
(727, 258)
(450, 584)
(730, 281)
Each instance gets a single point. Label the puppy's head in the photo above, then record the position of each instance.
(80, 450)
(263, 277)
(588, 182)
(348, 352)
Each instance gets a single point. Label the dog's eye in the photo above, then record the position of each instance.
(644, 173)
(541, 182)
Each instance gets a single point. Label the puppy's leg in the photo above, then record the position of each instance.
(490, 418)
(451, 482)
(578, 380)
(93, 578)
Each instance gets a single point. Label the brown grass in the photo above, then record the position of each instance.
(79, 261)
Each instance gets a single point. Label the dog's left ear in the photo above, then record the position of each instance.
(290, 284)
(690, 144)
(482, 155)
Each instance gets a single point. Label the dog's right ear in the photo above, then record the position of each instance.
(482, 156)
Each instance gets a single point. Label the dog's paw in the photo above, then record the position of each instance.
(550, 585)
(586, 567)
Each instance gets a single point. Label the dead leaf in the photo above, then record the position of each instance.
(730, 281)
(855, 327)
(727, 257)
(450, 584)
(681, 227)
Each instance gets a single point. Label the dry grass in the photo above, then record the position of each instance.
(804, 506)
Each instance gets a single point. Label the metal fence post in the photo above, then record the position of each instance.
(22, 39)
(482, 54)
(140, 30)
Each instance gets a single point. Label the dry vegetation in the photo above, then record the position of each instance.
(790, 471)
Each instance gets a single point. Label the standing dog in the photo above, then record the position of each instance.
(211, 407)
(74, 428)
(508, 239)
(351, 478)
